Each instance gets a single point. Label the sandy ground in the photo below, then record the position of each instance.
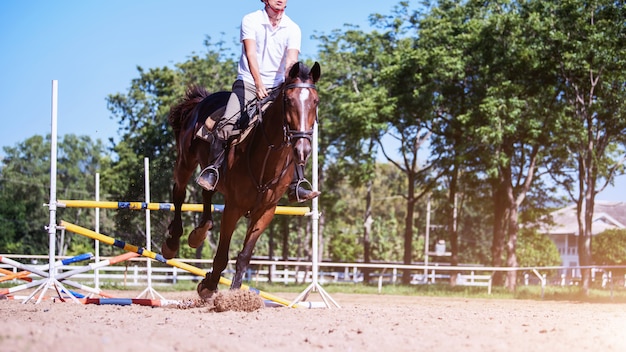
(363, 323)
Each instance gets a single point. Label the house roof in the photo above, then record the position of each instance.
(607, 215)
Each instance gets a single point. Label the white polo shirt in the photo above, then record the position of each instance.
(271, 46)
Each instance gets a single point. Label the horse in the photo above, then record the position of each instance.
(256, 173)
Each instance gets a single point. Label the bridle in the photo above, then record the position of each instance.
(292, 135)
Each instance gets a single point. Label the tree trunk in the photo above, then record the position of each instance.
(284, 221)
(408, 230)
(367, 230)
(452, 225)
(497, 245)
(584, 240)
(511, 227)
(511, 261)
(270, 252)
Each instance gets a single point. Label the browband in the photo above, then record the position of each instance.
(301, 85)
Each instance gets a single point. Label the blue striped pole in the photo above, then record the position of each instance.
(280, 210)
(172, 262)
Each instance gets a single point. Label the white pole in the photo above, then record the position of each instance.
(427, 239)
(314, 208)
(52, 206)
(314, 286)
(146, 165)
(149, 290)
(52, 228)
(97, 243)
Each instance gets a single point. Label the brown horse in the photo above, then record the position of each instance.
(257, 171)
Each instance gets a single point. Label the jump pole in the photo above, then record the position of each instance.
(9, 275)
(24, 275)
(315, 286)
(280, 210)
(63, 276)
(172, 262)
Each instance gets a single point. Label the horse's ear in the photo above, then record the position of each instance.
(316, 72)
(294, 71)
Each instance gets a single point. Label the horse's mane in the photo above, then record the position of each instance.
(194, 95)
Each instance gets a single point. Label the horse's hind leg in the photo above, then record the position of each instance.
(198, 235)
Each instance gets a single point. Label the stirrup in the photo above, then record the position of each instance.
(203, 183)
(295, 186)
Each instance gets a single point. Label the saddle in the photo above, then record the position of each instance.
(248, 119)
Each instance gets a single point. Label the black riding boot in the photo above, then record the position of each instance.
(296, 192)
(209, 177)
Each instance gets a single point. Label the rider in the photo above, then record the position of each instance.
(271, 44)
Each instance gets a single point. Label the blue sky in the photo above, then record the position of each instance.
(93, 48)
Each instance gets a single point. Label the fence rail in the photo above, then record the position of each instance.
(133, 272)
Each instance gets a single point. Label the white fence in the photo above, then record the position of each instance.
(134, 272)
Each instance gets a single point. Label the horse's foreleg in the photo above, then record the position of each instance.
(198, 235)
(208, 286)
(256, 226)
(169, 248)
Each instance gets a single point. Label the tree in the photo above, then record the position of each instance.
(537, 250)
(410, 118)
(353, 102)
(24, 187)
(490, 95)
(609, 248)
(587, 39)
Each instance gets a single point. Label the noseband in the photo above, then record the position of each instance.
(292, 135)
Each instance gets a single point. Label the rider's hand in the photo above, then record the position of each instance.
(261, 92)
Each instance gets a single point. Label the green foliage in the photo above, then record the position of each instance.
(535, 249)
(344, 246)
(24, 188)
(609, 248)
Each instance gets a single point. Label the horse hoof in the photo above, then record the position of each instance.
(168, 251)
(196, 237)
(204, 293)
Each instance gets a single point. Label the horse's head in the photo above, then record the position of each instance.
(301, 99)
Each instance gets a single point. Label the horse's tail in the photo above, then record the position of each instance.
(182, 111)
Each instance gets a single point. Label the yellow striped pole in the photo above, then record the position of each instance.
(280, 210)
(172, 262)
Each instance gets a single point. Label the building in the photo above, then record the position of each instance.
(564, 230)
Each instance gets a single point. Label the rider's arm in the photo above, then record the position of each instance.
(249, 46)
(292, 58)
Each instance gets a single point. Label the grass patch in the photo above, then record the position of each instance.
(571, 293)
(434, 290)
(551, 293)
